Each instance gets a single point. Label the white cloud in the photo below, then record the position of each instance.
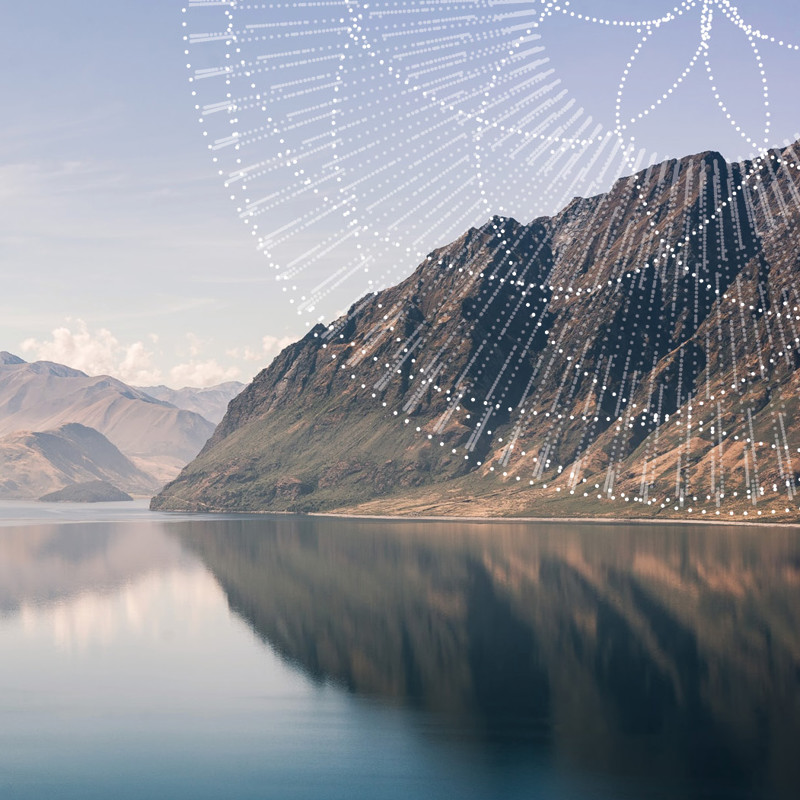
(96, 353)
(100, 352)
(270, 347)
(136, 367)
(195, 344)
(202, 373)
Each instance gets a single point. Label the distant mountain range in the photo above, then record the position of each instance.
(59, 426)
(210, 403)
(32, 463)
(635, 355)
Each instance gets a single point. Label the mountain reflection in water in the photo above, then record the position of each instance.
(670, 654)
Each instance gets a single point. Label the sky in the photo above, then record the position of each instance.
(123, 252)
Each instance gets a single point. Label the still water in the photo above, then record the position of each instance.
(152, 656)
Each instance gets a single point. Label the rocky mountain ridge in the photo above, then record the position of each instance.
(634, 355)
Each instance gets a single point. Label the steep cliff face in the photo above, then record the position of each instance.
(636, 354)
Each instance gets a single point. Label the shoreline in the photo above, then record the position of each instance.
(764, 523)
(587, 520)
(65, 512)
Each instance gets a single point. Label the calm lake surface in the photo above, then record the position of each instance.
(154, 656)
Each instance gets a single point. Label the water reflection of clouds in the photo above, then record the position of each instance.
(41, 564)
(81, 586)
(149, 608)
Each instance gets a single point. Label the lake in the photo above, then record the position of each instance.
(156, 656)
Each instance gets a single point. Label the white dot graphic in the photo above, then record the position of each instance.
(356, 138)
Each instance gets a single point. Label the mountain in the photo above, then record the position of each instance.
(34, 464)
(210, 403)
(7, 358)
(634, 355)
(156, 436)
(88, 492)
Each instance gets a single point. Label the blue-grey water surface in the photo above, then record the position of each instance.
(155, 656)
